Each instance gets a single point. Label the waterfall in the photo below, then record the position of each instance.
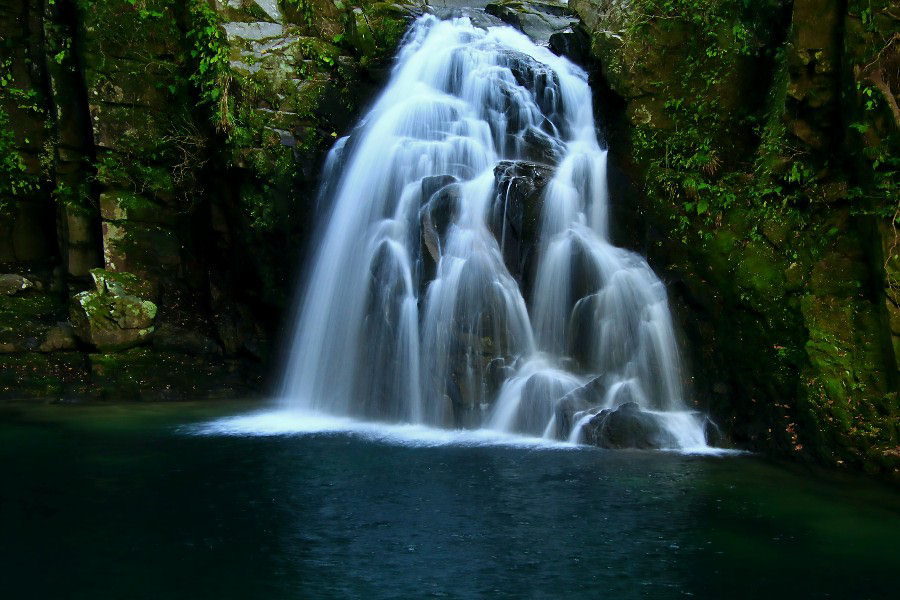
(464, 277)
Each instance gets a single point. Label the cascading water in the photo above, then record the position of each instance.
(477, 181)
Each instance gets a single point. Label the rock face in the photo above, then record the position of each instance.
(775, 237)
(515, 215)
(538, 19)
(175, 144)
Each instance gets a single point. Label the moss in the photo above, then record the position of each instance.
(764, 230)
(122, 282)
(149, 374)
(117, 170)
(32, 375)
(21, 308)
(761, 271)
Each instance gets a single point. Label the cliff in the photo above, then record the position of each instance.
(756, 145)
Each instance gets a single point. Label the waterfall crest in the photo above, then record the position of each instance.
(465, 277)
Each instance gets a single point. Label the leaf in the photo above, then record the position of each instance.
(702, 207)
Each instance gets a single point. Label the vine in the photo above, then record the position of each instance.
(212, 76)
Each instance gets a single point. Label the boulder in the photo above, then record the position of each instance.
(540, 147)
(109, 317)
(537, 19)
(538, 403)
(626, 427)
(12, 284)
(440, 208)
(573, 43)
(574, 405)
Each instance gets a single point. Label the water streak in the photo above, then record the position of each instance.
(465, 277)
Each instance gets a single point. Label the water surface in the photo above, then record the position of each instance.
(155, 502)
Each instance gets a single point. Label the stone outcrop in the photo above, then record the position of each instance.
(750, 160)
(112, 316)
(515, 216)
(538, 19)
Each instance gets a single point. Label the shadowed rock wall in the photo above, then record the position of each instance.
(160, 162)
(756, 146)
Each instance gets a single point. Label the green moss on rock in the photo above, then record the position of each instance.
(730, 131)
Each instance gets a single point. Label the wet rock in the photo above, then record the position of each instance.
(536, 19)
(565, 417)
(498, 371)
(540, 147)
(571, 407)
(539, 403)
(626, 427)
(581, 335)
(515, 215)
(533, 75)
(712, 433)
(573, 43)
(441, 208)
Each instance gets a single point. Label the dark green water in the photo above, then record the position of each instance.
(118, 502)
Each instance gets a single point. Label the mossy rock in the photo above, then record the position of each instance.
(119, 283)
(141, 248)
(26, 318)
(109, 317)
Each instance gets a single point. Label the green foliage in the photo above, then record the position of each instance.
(304, 10)
(120, 172)
(14, 177)
(210, 52)
(696, 148)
